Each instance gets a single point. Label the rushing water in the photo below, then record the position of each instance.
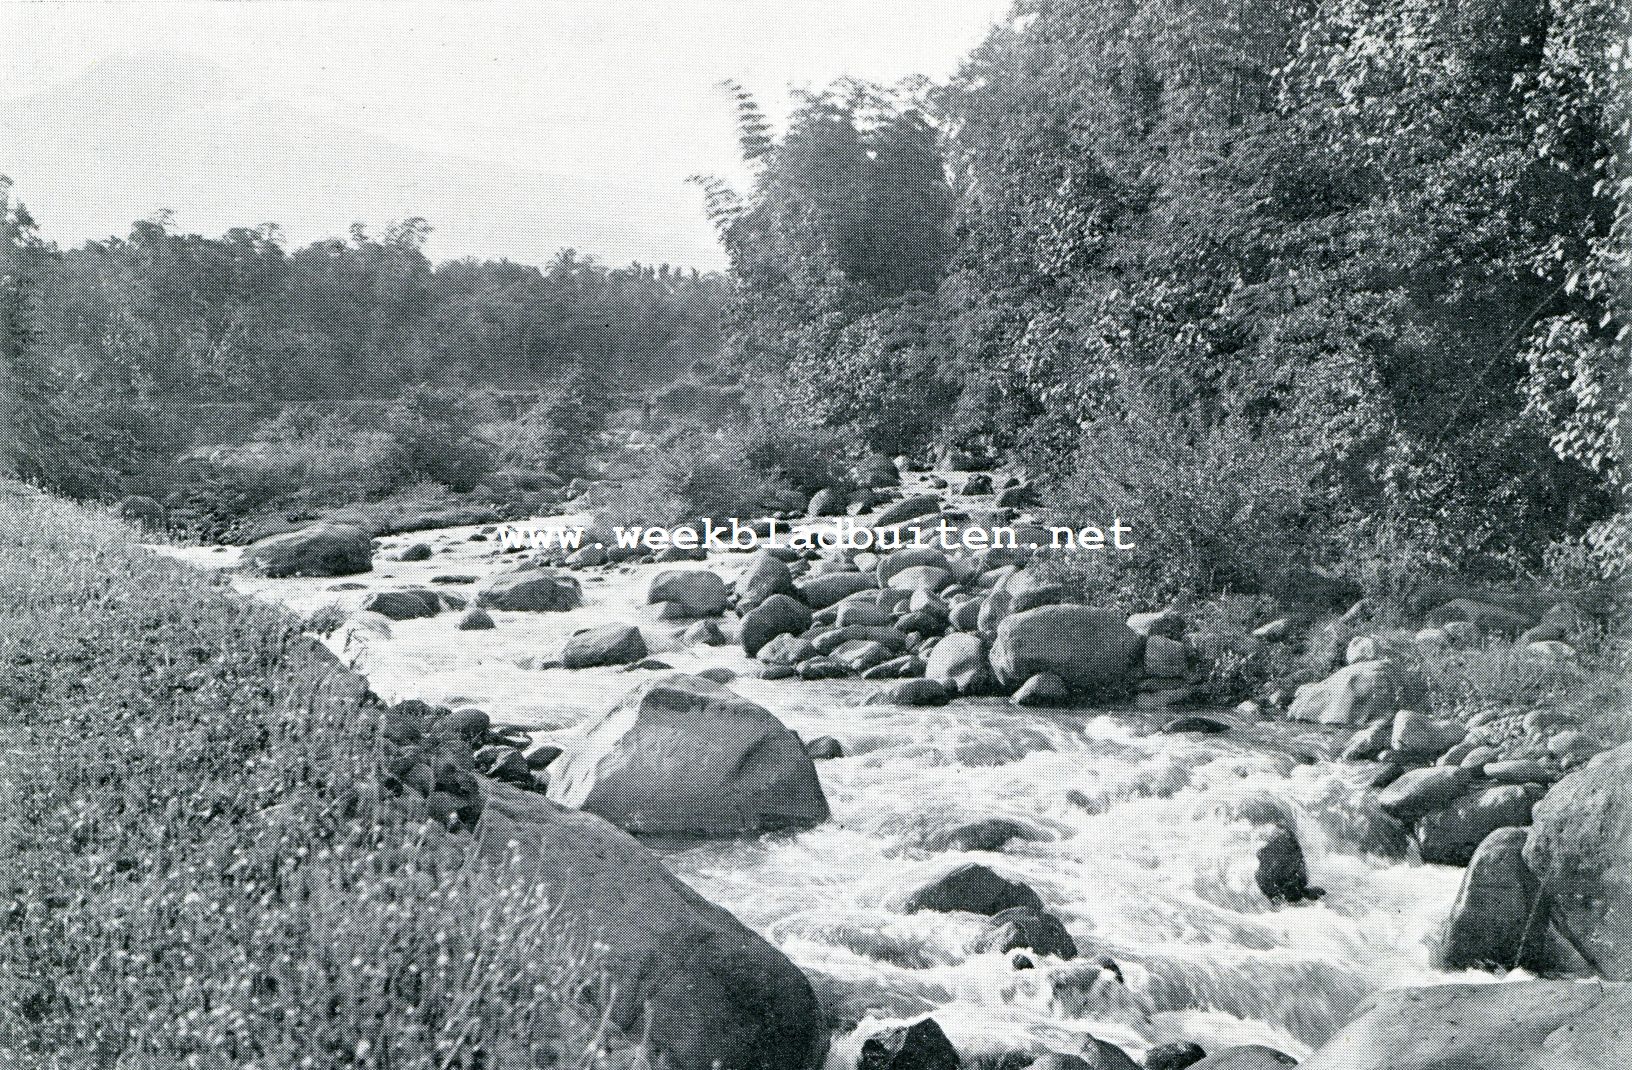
(1137, 848)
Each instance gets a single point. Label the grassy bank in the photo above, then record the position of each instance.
(198, 872)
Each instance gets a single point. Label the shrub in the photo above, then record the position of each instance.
(692, 475)
(807, 457)
(198, 872)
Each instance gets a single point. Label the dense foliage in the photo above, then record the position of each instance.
(1376, 244)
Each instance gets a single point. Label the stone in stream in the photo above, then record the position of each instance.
(1249, 1057)
(987, 835)
(475, 619)
(1497, 921)
(959, 664)
(703, 633)
(1176, 1055)
(1022, 928)
(1450, 836)
(824, 748)
(920, 692)
(317, 550)
(708, 990)
(609, 644)
(1359, 694)
(1085, 647)
(920, 1046)
(765, 575)
(419, 551)
(910, 557)
(531, 590)
(1044, 689)
(1518, 1025)
(975, 889)
(684, 758)
(821, 592)
(778, 615)
(403, 605)
(1195, 723)
(1420, 792)
(1417, 735)
(694, 592)
(907, 509)
(1282, 874)
(787, 650)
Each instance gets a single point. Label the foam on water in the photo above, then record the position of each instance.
(1137, 847)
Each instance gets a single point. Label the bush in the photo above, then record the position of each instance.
(807, 457)
(198, 871)
(692, 475)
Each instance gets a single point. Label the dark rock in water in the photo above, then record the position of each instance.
(715, 992)
(468, 724)
(824, 748)
(1422, 791)
(684, 758)
(1174, 1056)
(1496, 922)
(1032, 930)
(975, 889)
(919, 692)
(1283, 876)
(696, 592)
(419, 551)
(610, 644)
(1195, 723)
(704, 633)
(920, 1046)
(765, 575)
(318, 550)
(719, 674)
(657, 665)
(542, 755)
(787, 650)
(979, 483)
(1581, 851)
(1085, 647)
(404, 605)
(1518, 1025)
(1451, 836)
(531, 590)
(777, 615)
(1044, 689)
(958, 663)
(475, 620)
(1250, 1057)
(777, 672)
(988, 835)
(1056, 1060)
(457, 581)
(821, 669)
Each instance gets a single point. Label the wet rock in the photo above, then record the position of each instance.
(1497, 921)
(990, 834)
(716, 992)
(1167, 623)
(1249, 1057)
(1359, 694)
(469, 724)
(1022, 928)
(531, 590)
(696, 592)
(910, 557)
(776, 615)
(978, 484)
(907, 509)
(920, 1046)
(1044, 689)
(765, 575)
(542, 755)
(1520, 1025)
(1451, 835)
(975, 889)
(1420, 792)
(826, 502)
(821, 669)
(683, 757)
(831, 589)
(1369, 742)
(1174, 1056)
(1581, 851)
(475, 619)
(609, 644)
(959, 664)
(1195, 723)
(921, 692)
(317, 550)
(1417, 735)
(824, 748)
(1166, 657)
(1085, 647)
(704, 633)
(787, 650)
(419, 551)
(403, 605)
(1282, 874)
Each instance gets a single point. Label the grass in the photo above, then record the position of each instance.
(199, 871)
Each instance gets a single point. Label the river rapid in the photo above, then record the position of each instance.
(1137, 849)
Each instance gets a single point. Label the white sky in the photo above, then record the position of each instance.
(616, 98)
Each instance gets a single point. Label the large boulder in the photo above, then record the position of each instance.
(609, 644)
(695, 593)
(1520, 1025)
(777, 615)
(958, 663)
(1359, 694)
(1496, 922)
(1581, 851)
(975, 889)
(919, 1046)
(682, 757)
(1083, 646)
(531, 590)
(409, 604)
(708, 990)
(819, 592)
(1451, 835)
(765, 575)
(317, 550)
(907, 509)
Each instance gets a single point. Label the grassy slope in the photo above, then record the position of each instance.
(196, 870)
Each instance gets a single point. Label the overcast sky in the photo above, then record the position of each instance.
(602, 107)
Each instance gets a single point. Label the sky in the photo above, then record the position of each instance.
(516, 128)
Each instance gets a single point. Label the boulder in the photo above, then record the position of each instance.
(1167, 623)
(697, 593)
(1166, 657)
(1496, 922)
(403, 605)
(921, 692)
(1520, 1025)
(1359, 694)
(609, 644)
(1085, 647)
(987, 835)
(824, 748)
(531, 590)
(826, 502)
(910, 557)
(1176, 1055)
(1581, 851)
(787, 649)
(1493, 620)
(703, 633)
(1282, 874)
(419, 551)
(1044, 689)
(475, 619)
(975, 889)
(777, 615)
(1420, 792)
(918, 578)
(1417, 735)
(765, 575)
(1249, 1057)
(920, 1046)
(833, 588)
(959, 664)
(907, 509)
(707, 990)
(1022, 928)
(859, 655)
(317, 550)
(682, 757)
(1450, 836)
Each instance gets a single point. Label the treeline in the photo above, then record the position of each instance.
(1337, 279)
(111, 344)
